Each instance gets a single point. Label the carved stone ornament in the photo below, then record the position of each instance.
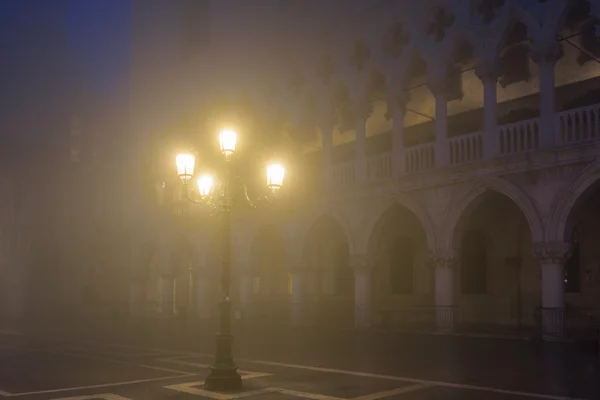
(488, 70)
(487, 10)
(547, 52)
(396, 40)
(396, 106)
(443, 259)
(438, 86)
(441, 21)
(552, 252)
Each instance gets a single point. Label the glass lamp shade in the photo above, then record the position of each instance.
(185, 166)
(227, 141)
(275, 174)
(205, 184)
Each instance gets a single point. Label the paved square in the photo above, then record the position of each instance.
(25, 371)
(88, 370)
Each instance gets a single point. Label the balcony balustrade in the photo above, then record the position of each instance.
(573, 127)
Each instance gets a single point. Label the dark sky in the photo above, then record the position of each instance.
(98, 32)
(60, 57)
(90, 38)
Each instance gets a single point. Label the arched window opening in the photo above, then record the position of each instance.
(473, 263)
(401, 266)
(572, 266)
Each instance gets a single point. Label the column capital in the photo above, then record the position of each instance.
(547, 52)
(327, 123)
(488, 69)
(362, 109)
(438, 85)
(552, 252)
(443, 258)
(361, 262)
(397, 103)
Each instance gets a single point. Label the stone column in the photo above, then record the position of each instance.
(546, 56)
(552, 257)
(167, 298)
(439, 88)
(245, 283)
(327, 125)
(361, 137)
(398, 109)
(489, 72)
(363, 308)
(299, 272)
(136, 296)
(444, 263)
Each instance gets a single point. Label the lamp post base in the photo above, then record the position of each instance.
(223, 379)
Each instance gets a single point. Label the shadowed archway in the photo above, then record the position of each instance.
(494, 241)
(402, 283)
(330, 289)
(582, 268)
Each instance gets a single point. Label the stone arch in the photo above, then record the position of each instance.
(467, 201)
(330, 278)
(554, 15)
(568, 200)
(315, 218)
(369, 223)
(488, 38)
(397, 244)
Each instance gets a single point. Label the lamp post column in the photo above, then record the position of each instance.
(224, 375)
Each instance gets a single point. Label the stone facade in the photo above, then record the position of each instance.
(516, 189)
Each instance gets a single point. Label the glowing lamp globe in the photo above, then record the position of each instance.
(275, 174)
(185, 166)
(205, 184)
(227, 141)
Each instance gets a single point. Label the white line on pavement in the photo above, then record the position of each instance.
(394, 392)
(104, 396)
(104, 385)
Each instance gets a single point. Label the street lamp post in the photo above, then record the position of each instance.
(219, 197)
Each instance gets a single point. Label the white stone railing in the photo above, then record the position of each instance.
(379, 167)
(419, 158)
(572, 127)
(466, 148)
(344, 174)
(519, 137)
(578, 125)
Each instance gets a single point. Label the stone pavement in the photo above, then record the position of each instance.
(288, 364)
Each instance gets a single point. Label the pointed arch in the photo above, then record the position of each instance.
(466, 201)
(369, 224)
(319, 216)
(568, 200)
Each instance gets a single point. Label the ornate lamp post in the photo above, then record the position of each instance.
(218, 194)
